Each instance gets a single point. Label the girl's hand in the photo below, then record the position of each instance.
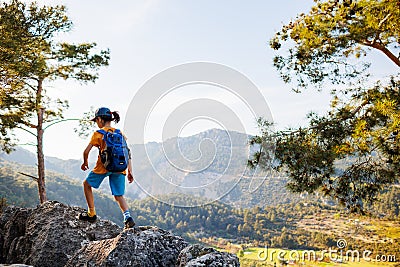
(84, 166)
(130, 177)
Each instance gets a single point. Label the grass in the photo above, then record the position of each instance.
(386, 228)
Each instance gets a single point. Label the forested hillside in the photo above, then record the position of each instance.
(305, 224)
(240, 188)
(21, 190)
(71, 167)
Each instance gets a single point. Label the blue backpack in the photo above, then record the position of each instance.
(116, 154)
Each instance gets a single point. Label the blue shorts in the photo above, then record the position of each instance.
(116, 180)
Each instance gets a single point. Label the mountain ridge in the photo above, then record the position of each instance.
(226, 152)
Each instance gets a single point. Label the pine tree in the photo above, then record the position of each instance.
(352, 152)
(31, 56)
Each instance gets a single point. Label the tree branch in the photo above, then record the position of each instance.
(27, 130)
(384, 20)
(386, 51)
(30, 176)
(353, 112)
(58, 121)
(29, 85)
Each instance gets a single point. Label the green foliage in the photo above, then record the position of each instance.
(333, 36)
(388, 203)
(268, 225)
(29, 55)
(86, 126)
(211, 220)
(351, 153)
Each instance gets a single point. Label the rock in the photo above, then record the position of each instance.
(15, 265)
(192, 252)
(47, 235)
(141, 246)
(51, 235)
(12, 230)
(196, 255)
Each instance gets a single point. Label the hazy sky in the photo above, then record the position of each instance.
(147, 37)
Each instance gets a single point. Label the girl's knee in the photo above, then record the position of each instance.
(86, 184)
(118, 198)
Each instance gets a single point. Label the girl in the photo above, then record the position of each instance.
(103, 118)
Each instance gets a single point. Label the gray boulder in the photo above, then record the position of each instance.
(141, 246)
(15, 265)
(51, 235)
(48, 235)
(197, 255)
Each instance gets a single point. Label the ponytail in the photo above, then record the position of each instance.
(115, 116)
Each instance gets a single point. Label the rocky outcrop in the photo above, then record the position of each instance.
(15, 265)
(196, 255)
(142, 246)
(50, 235)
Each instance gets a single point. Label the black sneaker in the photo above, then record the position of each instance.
(85, 217)
(129, 223)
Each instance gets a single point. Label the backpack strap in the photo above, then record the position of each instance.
(101, 131)
(117, 131)
(104, 134)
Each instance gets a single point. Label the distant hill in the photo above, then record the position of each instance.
(255, 210)
(211, 165)
(69, 167)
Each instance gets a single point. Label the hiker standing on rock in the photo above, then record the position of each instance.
(113, 160)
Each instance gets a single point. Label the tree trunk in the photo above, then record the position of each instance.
(40, 155)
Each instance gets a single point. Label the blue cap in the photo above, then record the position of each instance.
(102, 112)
